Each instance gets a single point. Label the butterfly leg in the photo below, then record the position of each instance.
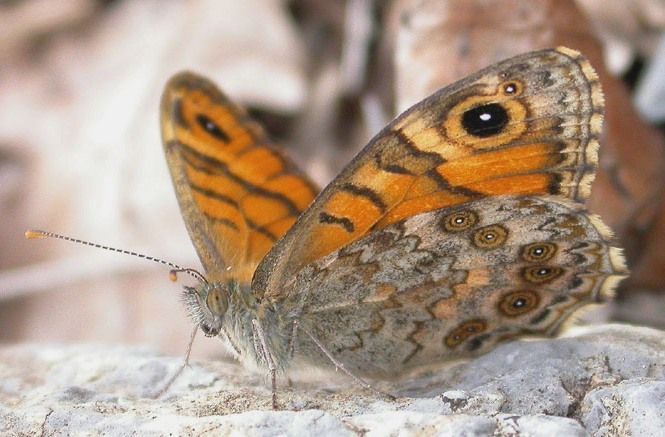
(340, 366)
(185, 364)
(261, 347)
(292, 340)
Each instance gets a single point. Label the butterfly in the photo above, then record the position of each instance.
(460, 225)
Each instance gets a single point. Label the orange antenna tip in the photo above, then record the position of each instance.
(173, 274)
(32, 234)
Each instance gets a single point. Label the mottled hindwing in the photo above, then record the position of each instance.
(525, 126)
(237, 192)
(454, 282)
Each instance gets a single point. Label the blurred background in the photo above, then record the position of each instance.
(80, 153)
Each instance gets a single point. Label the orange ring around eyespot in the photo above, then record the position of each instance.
(490, 237)
(529, 253)
(517, 303)
(459, 221)
(517, 85)
(455, 132)
(465, 330)
(541, 274)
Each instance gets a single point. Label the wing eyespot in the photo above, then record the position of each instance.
(459, 221)
(541, 274)
(517, 303)
(212, 128)
(464, 331)
(485, 120)
(490, 237)
(512, 88)
(538, 252)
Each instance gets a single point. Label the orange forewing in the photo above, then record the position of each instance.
(545, 112)
(238, 193)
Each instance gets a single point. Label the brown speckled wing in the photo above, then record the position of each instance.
(525, 126)
(453, 282)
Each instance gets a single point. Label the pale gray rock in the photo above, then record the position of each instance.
(634, 407)
(607, 380)
(411, 423)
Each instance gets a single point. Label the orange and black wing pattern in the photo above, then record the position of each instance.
(237, 192)
(525, 126)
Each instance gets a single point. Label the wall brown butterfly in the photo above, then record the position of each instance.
(461, 224)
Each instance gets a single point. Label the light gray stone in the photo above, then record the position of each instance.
(608, 380)
(402, 423)
(549, 376)
(634, 407)
(536, 425)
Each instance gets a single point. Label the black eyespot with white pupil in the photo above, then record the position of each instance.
(212, 128)
(485, 120)
(510, 88)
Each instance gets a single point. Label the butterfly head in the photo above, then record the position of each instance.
(208, 303)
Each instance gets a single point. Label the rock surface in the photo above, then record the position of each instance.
(606, 380)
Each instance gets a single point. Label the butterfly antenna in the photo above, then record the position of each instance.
(34, 234)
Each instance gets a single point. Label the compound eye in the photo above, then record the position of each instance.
(217, 301)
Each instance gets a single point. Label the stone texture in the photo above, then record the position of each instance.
(607, 380)
(632, 407)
